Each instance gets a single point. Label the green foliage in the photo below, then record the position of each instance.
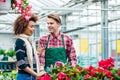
(80, 73)
(117, 77)
(2, 51)
(12, 1)
(9, 53)
(8, 75)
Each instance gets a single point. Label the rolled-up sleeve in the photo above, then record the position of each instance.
(42, 43)
(71, 53)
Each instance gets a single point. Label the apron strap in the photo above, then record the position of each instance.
(63, 41)
(49, 39)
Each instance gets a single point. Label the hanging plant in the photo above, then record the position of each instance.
(19, 6)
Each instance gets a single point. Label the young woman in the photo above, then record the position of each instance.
(27, 59)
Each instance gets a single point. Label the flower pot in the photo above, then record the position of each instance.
(5, 7)
(5, 58)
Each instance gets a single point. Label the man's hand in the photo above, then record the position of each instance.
(40, 50)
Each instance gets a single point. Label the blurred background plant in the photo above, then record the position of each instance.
(2, 51)
(8, 75)
(18, 6)
(7, 53)
(10, 52)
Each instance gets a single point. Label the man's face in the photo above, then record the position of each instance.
(52, 25)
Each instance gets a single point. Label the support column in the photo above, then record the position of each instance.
(36, 32)
(104, 28)
(63, 28)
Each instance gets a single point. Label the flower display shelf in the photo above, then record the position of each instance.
(7, 65)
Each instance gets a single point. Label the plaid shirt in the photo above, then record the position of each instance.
(56, 41)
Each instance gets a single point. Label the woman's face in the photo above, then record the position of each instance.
(30, 28)
(52, 25)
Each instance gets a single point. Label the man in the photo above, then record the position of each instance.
(57, 46)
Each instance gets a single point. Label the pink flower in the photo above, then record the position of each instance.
(27, 16)
(87, 76)
(58, 63)
(2, 0)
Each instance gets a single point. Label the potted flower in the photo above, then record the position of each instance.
(7, 54)
(2, 52)
(104, 71)
(11, 54)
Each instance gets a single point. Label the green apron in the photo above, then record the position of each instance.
(53, 55)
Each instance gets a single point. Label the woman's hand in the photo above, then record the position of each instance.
(40, 74)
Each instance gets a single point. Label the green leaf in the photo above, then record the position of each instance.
(117, 77)
(54, 76)
(11, 52)
(105, 78)
(113, 71)
(81, 77)
(2, 51)
(93, 78)
(12, 2)
(73, 78)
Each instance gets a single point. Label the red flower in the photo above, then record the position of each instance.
(104, 70)
(92, 73)
(106, 64)
(92, 70)
(108, 73)
(100, 69)
(45, 77)
(118, 73)
(79, 68)
(68, 78)
(61, 76)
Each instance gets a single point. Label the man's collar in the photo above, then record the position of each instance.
(53, 36)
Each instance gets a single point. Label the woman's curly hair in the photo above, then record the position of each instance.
(21, 23)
